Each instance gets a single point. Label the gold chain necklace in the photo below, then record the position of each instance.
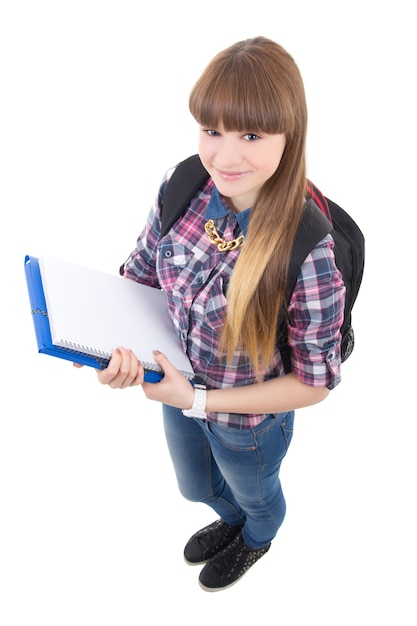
(221, 243)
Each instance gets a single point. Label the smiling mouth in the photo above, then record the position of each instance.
(231, 175)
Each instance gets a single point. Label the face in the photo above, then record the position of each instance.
(240, 163)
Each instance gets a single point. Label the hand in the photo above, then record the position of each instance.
(173, 389)
(124, 370)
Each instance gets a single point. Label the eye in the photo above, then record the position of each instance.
(210, 132)
(251, 137)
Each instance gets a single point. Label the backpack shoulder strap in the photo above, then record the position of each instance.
(322, 202)
(188, 177)
(313, 227)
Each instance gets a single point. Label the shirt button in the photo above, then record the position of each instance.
(168, 253)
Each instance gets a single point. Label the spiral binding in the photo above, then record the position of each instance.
(102, 358)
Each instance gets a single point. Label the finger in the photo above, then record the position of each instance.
(117, 370)
(163, 361)
(131, 370)
(123, 370)
(138, 380)
(107, 375)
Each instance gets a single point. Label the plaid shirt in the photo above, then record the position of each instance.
(195, 276)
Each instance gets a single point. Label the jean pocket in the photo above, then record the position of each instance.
(232, 438)
(287, 427)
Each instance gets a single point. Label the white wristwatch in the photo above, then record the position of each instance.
(199, 404)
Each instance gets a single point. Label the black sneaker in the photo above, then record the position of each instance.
(208, 541)
(224, 569)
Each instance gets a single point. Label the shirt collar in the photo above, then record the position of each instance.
(218, 208)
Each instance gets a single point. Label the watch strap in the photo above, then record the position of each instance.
(199, 404)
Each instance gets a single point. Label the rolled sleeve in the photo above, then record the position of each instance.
(140, 266)
(315, 318)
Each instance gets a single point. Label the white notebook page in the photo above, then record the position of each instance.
(95, 312)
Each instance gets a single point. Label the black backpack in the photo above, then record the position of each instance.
(321, 216)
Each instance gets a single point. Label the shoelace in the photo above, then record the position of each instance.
(231, 555)
(212, 537)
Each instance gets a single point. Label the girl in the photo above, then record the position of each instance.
(223, 267)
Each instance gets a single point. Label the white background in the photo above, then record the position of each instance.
(93, 109)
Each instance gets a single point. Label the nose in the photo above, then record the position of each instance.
(228, 152)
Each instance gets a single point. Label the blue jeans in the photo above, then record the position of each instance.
(236, 472)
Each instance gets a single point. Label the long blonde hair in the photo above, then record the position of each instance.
(255, 86)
